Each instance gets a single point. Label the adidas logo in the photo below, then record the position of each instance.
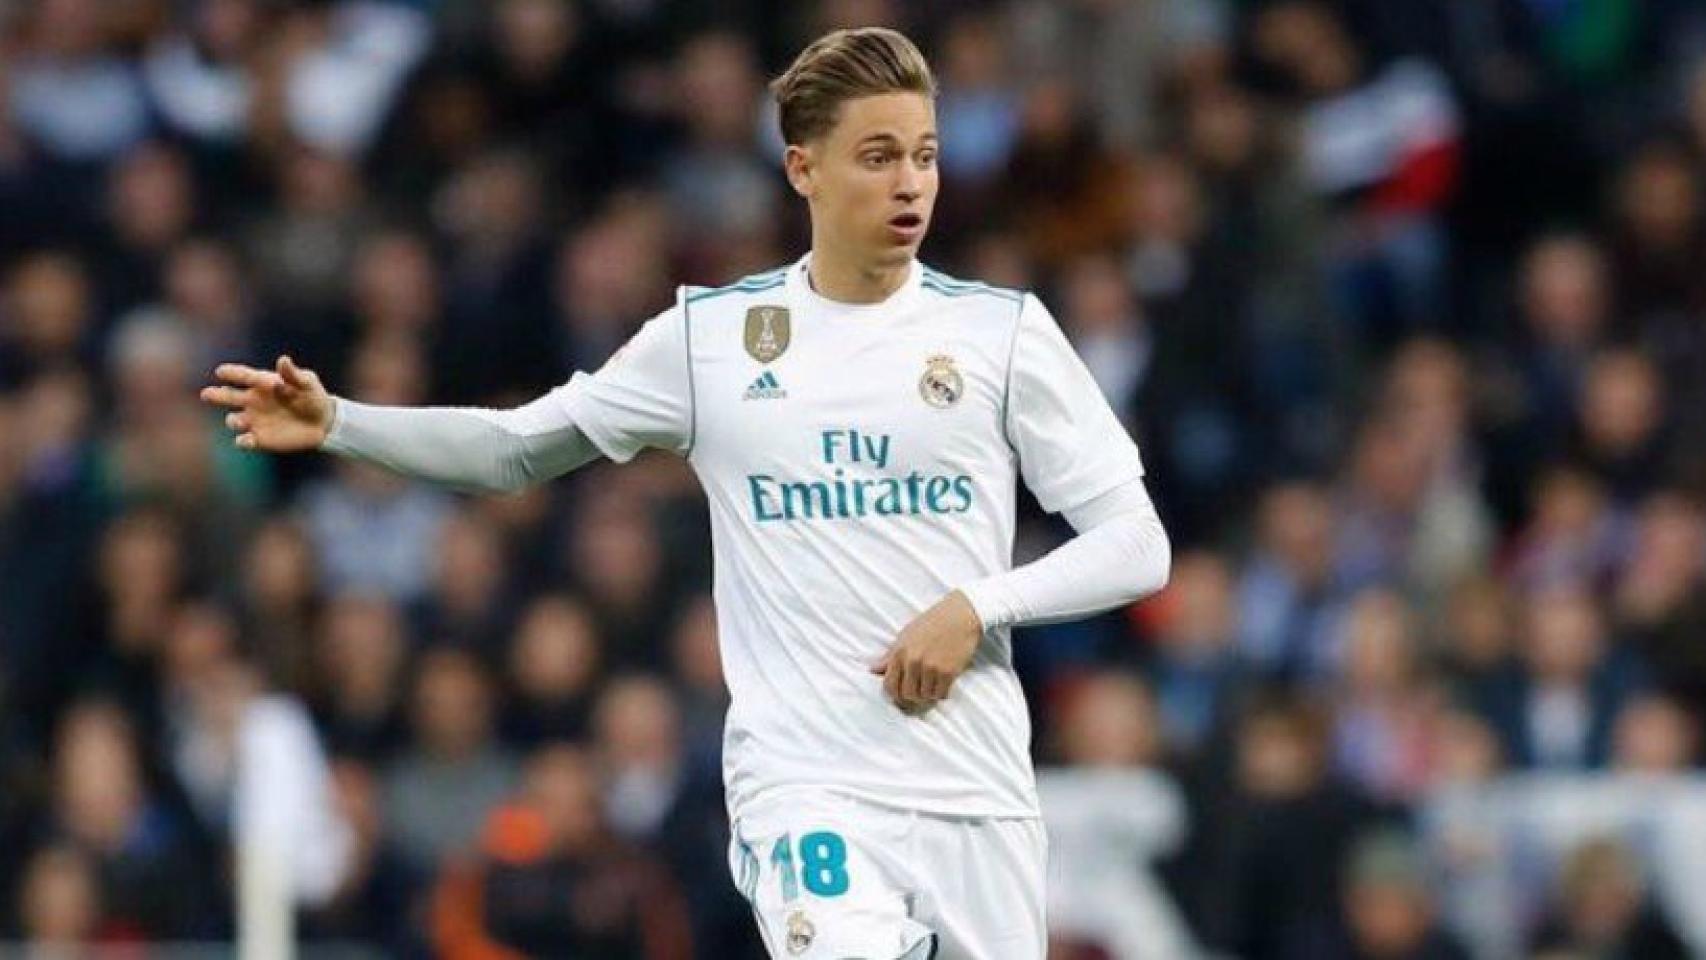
(766, 387)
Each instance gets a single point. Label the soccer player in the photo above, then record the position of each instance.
(859, 423)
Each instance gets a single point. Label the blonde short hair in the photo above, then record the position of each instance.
(841, 66)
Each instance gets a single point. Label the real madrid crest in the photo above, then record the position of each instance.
(767, 332)
(941, 386)
(800, 932)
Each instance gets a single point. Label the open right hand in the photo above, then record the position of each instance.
(280, 411)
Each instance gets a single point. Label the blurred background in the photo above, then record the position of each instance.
(1405, 301)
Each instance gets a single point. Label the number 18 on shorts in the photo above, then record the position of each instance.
(830, 878)
(815, 895)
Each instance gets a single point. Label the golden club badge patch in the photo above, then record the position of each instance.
(941, 386)
(800, 933)
(767, 332)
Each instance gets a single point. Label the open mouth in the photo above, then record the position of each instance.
(906, 221)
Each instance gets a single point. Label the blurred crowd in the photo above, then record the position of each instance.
(1405, 301)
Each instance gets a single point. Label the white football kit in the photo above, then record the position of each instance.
(860, 462)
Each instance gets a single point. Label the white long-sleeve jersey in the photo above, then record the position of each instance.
(860, 462)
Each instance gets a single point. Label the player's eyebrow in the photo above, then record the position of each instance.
(889, 138)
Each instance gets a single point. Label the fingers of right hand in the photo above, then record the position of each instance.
(226, 396)
(882, 665)
(904, 684)
(892, 678)
(295, 377)
(912, 685)
(243, 376)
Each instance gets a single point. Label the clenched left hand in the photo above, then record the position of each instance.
(930, 654)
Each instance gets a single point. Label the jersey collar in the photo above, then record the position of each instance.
(800, 292)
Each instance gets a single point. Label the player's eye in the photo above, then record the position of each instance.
(875, 159)
(926, 158)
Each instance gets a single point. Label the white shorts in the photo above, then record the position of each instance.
(830, 877)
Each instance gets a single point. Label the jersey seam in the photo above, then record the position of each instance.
(692, 391)
(596, 432)
(954, 287)
(937, 287)
(756, 287)
(1119, 480)
(1007, 382)
(934, 274)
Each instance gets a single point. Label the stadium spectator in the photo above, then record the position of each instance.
(1388, 909)
(553, 669)
(279, 602)
(337, 68)
(198, 74)
(1112, 815)
(1654, 736)
(1657, 234)
(1465, 841)
(1658, 604)
(495, 334)
(360, 510)
(468, 604)
(698, 676)
(361, 648)
(657, 798)
(1563, 301)
(617, 559)
(1558, 711)
(606, 272)
(1282, 839)
(551, 880)
(1478, 641)
(72, 93)
(141, 576)
(1573, 536)
(203, 285)
(373, 904)
(715, 185)
(1621, 434)
(155, 882)
(202, 692)
(1107, 327)
(1601, 908)
(304, 245)
(1384, 738)
(1388, 187)
(1197, 673)
(1405, 517)
(438, 789)
(151, 204)
(48, 303)
(978, 109)
(1287, 596)
(61, 902)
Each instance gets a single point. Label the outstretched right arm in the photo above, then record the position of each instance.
(641, 398)
(470, 448)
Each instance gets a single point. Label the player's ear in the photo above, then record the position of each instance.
(799, 164)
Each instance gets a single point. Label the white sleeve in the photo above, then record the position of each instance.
(1071, 446)
(1121, 554)
(643, 396)
(470, 448)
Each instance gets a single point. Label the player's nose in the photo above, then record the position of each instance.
(908, 184)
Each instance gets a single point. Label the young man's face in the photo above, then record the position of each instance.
(872, 178)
